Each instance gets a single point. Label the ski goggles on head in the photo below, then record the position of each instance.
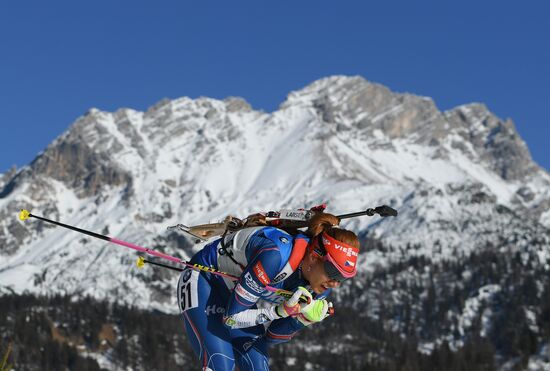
(339, 259)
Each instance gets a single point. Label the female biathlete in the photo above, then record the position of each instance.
(229, 324)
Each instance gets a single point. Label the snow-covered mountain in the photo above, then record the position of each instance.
(462, 180)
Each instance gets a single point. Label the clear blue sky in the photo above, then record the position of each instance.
(59, 58)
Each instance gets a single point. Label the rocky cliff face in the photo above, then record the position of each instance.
(494, 141)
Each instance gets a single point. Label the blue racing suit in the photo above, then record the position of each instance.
(232, 323)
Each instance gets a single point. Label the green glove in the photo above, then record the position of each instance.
(314, 312)
(293, 306)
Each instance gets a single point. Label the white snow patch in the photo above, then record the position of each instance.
(472, 307)
(540, 361)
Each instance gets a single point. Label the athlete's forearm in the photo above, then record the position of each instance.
(251, 317)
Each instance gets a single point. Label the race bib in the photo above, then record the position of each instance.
(188, 297)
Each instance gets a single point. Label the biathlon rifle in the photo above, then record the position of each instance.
(286, 219)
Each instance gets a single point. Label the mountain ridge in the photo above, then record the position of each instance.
(469, 250)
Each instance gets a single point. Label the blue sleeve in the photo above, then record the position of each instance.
(264, 265)
(282, 330)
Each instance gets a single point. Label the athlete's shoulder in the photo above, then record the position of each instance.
(278, 236)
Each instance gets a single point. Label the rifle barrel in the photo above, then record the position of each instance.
(353, 215)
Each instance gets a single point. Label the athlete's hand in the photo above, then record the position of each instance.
(293, 306)
(314, 312)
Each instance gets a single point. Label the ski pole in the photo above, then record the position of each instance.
(25, 214)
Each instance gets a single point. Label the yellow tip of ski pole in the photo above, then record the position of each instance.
(24, 214)
(140, 262)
